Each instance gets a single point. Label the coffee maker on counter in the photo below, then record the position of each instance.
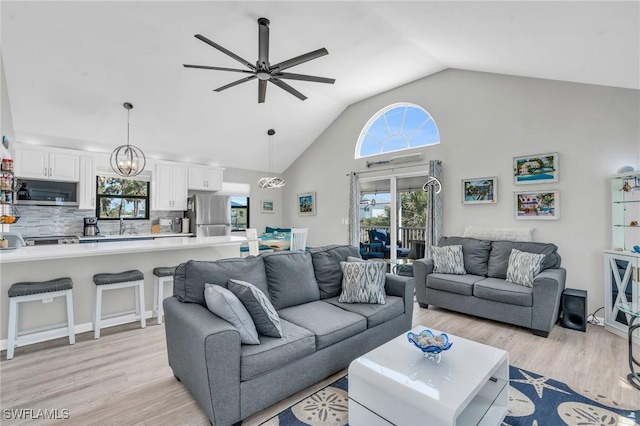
(91, 227)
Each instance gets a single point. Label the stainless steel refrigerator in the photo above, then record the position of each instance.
(209, 215)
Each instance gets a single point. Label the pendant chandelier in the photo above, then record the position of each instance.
(270, 182)
(128, 160)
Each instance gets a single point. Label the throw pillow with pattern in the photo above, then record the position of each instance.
(448, 260)
(262, 312)
(363, 282)
(523, 267)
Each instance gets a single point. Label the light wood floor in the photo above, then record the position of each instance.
(123, 378)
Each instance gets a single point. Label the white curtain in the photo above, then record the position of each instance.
(433, 230)
(354, 205)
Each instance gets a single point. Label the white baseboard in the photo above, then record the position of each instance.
(79, 328)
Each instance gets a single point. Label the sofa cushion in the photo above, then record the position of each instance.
(474, 252)
(448, 260)
(273, 353)
(523, 267)
(290, 277)
(374, 313)
(326, 267)
(501, 250)
(363, 282)
(190, 277)
(503, 291)
(329, 323)
(460, 284)
(262, 312)
(226, 305)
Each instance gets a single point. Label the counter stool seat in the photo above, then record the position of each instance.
(29, 291)
(115, 281)
(161, 275)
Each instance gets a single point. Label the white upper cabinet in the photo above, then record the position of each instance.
(87, 185)
(169, 187)
(205, 179)
(47, 165)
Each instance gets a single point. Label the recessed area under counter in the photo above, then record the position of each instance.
(81, 261)
(131, 237)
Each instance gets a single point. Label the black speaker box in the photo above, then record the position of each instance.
(574, 309)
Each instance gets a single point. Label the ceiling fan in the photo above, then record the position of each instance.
(263, 70)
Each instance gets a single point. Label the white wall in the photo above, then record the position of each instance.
(6, 120)
(484, 121)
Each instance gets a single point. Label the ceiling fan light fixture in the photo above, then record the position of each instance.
(128, 160)
(270, 182)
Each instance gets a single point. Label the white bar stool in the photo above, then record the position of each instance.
(107, 281)
(161, 276)
(29, 291)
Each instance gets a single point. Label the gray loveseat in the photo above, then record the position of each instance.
(483, 290)
(229, 380)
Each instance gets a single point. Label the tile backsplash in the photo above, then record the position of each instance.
(38, 221)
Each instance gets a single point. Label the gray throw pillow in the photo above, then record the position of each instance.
(326, 266)
(227, 306)
(523, 267)
(363, 282)
(259, 307)
(448, 260)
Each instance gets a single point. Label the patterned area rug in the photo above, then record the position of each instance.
(534, 400)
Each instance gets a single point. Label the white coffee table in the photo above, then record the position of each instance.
(396, 384)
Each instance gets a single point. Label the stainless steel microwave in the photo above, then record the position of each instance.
(46, 193)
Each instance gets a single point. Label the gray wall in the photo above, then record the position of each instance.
(484, 121)
(6, 119)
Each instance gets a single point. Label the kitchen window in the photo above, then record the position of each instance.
(239, 213)
(119, 197)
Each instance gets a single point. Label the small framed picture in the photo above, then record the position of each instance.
(480, 190)
(537, 205)
(539, 168)
(307, 204)
(266, 206)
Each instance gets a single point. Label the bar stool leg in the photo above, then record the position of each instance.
(140, 301)
(13, 327)
(160, 299)
(98, 313)
(70, 319)
(155, 309)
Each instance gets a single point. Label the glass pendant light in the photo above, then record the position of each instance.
(270, 182)
(128, 160)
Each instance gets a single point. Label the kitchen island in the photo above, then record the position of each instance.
(82, 261)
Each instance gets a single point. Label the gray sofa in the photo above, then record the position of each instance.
(229, 380)
(483, 290)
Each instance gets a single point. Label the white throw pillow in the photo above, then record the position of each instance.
(227, 306)
(498, 234)
(523, 267)
(363, 282)
(448, 260)
(259, 307)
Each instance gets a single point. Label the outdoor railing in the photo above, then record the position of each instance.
(405, 234)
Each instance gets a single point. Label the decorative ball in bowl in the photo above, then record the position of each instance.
(429, 343)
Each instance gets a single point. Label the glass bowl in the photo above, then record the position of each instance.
(429, 343)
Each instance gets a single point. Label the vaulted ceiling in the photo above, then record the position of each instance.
(71, 65)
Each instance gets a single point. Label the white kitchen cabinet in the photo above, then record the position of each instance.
(47, 165)
(205, 179)
(87, 185)
(169, 187)
(622, 285)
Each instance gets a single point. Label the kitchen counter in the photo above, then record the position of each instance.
(126, 236)
(81, 262)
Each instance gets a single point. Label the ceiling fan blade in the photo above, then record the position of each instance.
(285, 86)
(235, 83)
(263, 43)
(262, 91)
(205, 67)
(299, 59)
(303, 77)
(225, 51)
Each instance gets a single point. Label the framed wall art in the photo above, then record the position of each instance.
(266, 206)
(307, 204)
(537, 205)
(480, 190)
(539, 168)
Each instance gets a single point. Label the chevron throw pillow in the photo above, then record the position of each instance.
(448, 260)
(363, 282)
(523, 267)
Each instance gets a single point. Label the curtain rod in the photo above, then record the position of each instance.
(390, 168)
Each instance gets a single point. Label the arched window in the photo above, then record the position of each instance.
(396, 128)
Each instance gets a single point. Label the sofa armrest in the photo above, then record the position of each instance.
(547, 294)
(204, 353)
(401, 286)
(421, 269)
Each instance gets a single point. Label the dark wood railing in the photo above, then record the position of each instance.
(405, 234)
